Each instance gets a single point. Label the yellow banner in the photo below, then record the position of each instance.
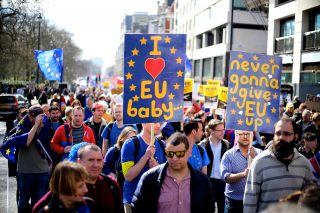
(213, 82)
(200, 90)
(188, 85)
(210, 90)
(106, 84)
(223, 94)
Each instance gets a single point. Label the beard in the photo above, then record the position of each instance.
(283, 149)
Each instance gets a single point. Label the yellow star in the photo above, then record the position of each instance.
(131, 63)
(135, 98)
(132, 87)
(268, 120)
(255, 57)
(8, 152)
(179, 60)
(173, 50)
(143, 41)
(176, 86)
(273, 110)
(275, 96)
(135, 51)
(233, 112)
(240, 122)
(271, 61)
(233, 99)
(167, 39)
(240, 56)
(129, 76)
(180, 73)
(171, 96)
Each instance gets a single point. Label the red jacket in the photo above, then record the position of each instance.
(59, 140)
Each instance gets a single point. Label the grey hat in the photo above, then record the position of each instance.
(35, 110)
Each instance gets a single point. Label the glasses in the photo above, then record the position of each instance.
(178, 154)
(244, 134)
(284, 133)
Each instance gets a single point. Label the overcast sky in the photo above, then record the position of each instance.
(95, 23)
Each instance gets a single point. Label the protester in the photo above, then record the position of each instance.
(234, 171)
(308, 145)
(67, 190)
(88, 108)
(138, 155)
(103, 190)
(194, 132)
(32, 166)
(215, 147)
(174, 186)
(112, 131)
(306, 124)
(73, 133)
(112, 161)
(97, 123)
(278, 171)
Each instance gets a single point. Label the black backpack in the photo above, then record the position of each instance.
(117, 158)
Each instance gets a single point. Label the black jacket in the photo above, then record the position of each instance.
(147, 194)
(224, 147)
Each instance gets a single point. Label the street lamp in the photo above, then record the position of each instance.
(38, 70)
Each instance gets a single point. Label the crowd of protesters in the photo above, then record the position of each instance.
(193, 166)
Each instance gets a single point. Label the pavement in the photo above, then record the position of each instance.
(8, 185)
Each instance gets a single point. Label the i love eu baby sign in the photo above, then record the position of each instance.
(154, 66)
(254, 91)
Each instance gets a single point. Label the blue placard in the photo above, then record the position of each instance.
(154, 66)
(254, 91)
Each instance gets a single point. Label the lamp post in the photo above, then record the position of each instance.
(38, 70)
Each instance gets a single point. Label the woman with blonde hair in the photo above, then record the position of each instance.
(112, 160)
(67, 190)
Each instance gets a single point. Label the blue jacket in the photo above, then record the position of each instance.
(147, 194)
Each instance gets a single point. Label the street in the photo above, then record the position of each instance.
(7, 184)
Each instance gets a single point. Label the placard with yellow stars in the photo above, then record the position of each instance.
(154, 66)
(254, 91)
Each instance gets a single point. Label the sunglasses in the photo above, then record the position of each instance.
(178, 154)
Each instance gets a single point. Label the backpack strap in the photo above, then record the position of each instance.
(136, 143)
(110, 125)
(67, 131)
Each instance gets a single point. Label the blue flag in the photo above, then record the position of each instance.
(154, 66)
(50, 63)
(188, 67)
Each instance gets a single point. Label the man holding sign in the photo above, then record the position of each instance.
(154, 66)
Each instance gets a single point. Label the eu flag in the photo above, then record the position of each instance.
(50, 63)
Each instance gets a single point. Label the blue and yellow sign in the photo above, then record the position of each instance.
(254, 92)
(154, 66)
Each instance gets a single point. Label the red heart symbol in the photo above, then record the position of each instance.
(154, 66)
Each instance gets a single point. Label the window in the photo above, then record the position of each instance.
(314, 20)
(283, 1)
(287, 27)
(197, 68)
(199, 41)
(190, 22)
(218, 61)
(286, 77)
(209, 39)
(207, 67)
(219, 35)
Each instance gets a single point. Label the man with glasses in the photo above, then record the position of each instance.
(278, 171)
(234, 171)
(112, 131)
(168, 187)
(215, 147)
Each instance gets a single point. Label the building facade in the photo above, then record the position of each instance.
(294, 34)
(214, 28)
